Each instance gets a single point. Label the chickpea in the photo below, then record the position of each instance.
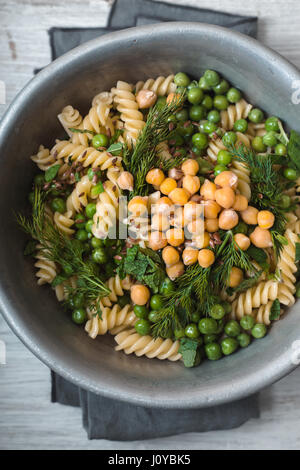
(240, 203)
(206, 258)
(139, 294)
(265, 219)
(228, 219)
(175, 236)
(178, 219)
(225, 197)
(164, 205)
(155, 177)
(170, 255)
(190, 167)
(176, 270)
(212, 225)
(168, 185)
(189, 256)
(242, 241)
(137, 205)
(125, 181)
(261, 238)
(173, 98)
(146, 98)
(191, 183)
(160, 222)
(211, 209)
(179, 196)
(196, 227)
(249, 215)
(192, 211)
(202, 240)
(236, 276)
(208, 190)
(226, 178)
(157, 241)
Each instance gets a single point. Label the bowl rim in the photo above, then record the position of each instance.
(227, 393)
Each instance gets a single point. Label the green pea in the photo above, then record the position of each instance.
(99, 256)
(80, 221)
(182, 115)
(204, 166)
(203, 85)
(124, 300)
(224, 157)
(259, 330)
(200, 140)
(233, 95)
(211, 77)
(214, 116)
(178, 139)
(81, 235)
(142, 327)
(207, 102)
(154, 316)
(221, 88)
(229, 138)
(280, 149)
(193, 84)
(79, 316)
(100, 140)
(210, 339)
(90, 210)
(290, 174)
(172, 118)
(221, 102)
(258, 144)
(285, 201)
(207, 326)
(88, 226)
(241, 125)
(197, 112)
(195, 95)
(58, 205)
(141, 311)
(197, 151)
(247, 322)
(181, 79)
(229, 346)
(256, 115)
(78, 300)
(213, 351)
(179, 333)
(167, 286)
(97, 189)
(209, 127)
(195, 317)
(241, 227)
(185, 131)
(227, 307)
(219, 169)
(39, 179)
(96, 242)
(220, 326)
(232, 328)
(217, 311)
(156, 302)
(191, 331)
(270, 139)
(67, 269)
(161, 102)
(244, 340)
(271, 124)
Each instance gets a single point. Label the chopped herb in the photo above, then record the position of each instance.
(297, 255)
(294, 148)
(275, 310)
(51, 173)
(115, 149)
(81, 131)
(189, 350)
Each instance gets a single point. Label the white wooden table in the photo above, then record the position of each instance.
(27, 418)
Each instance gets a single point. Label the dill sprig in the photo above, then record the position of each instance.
(67, 253)
(144, 155)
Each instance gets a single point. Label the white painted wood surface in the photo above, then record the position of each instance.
(27, 418)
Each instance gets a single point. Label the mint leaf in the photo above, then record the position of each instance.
(294, 148)
(259, 255)
(51, 173)
(189, 350)
(297, 255)
(275, 310)
(115, 149)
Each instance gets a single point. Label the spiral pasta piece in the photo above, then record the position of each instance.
(69, 118)
(61, 291)
(130, 342)
(162, 86)
(116, 286)
(243, 174)
(113, 319)
(46, 268)
(233, 113)
(79, 196)
(128, 108)
(106, 209)
(214, 146)
(253, 298)
(105, 97)
(64, 222)
(263, 313)
(288, 268)
(44, 159)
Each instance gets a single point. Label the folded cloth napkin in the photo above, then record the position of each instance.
(104, 418)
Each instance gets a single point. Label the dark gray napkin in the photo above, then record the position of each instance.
(110, 419)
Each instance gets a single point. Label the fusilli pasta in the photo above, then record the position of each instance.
(113, 319)
(162, 86)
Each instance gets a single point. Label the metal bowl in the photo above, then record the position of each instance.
(33, 312)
